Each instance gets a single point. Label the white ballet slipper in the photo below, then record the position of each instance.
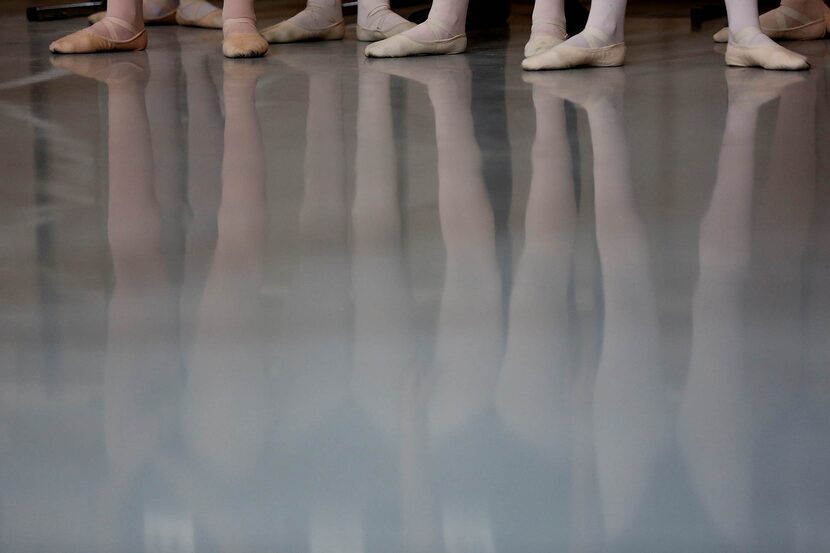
(777, 25)
(542, 42)
(288, 31)
(400, 46)
(767, 55)
(566, 57)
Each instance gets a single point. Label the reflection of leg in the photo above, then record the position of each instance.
(533, 390)
(317, 308)
(204, 154)
(714, 418)
(469, 341)
(628, 395)
(383, 336)
(227, 403)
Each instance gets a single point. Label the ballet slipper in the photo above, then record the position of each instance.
(587, 89)
(212, 20)
(768, 55)
(111, 70)
(565, 56)
(374, 35)
(775, 25)
(86, 42)
(288, 31)
(243, 45)
(96, 17)
(542, 42)
(400, 46)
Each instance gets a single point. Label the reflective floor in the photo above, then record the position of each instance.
(314, 303)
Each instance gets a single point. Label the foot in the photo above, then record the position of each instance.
(110, 34)
(792, 20)
(544, 35)
(111, 70)
(751, 48)
(199, 13)
(590, 48)
(319, 21)
(380, 23)
(242, 40)
(428, 38)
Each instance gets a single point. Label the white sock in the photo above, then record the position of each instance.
(606, 16)
(548, 18)
(743, 14)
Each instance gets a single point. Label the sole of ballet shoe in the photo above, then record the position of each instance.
(538, 44)
(286, 32)
(569, 57)
(404, 47)
(768, 56)
(244, 46)
(212, 20)
(368, 35)
(90, 43)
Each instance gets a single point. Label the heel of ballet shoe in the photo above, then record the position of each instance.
(336, 32)
(368, 35)
(611, 56)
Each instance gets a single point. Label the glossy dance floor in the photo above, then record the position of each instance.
(314, 303)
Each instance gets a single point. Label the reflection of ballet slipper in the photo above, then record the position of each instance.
(586, 88)
(785, 23)
(429, 71)
(248, 44)
(755, 88)
(768, 54)
(598, 54)
(400, 46)
(107, 69)
(288, 31)
(87, 42)
(243, 72)
(212, 20)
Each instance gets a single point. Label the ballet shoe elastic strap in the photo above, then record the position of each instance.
(783, 12)
(745, 35)
(111, 23)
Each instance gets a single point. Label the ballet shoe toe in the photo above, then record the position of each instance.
(721, 36)
(244, 46)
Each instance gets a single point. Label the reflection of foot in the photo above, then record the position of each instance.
(243, 72)
(428, 38)
(543, 37)
(786, 23)
(242, 40)
(311, 24)
(755, 88)
(584, 88)
(110, 34)
(431, 71)
(111, 70)
(381, 23)
(750, 48)
(598, 53)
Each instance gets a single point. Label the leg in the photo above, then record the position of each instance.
(442, 33)
(241, 37)
(600, 44)
(792, 20)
